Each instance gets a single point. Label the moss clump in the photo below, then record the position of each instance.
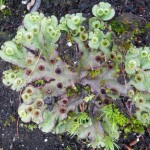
(125, 123)
(119, 27)
(12, 118)
(94, 73)
(147, 25)
(30, 126)
(7, 123)
(39, 82)
(72, 91)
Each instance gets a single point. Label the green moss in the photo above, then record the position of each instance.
(87, 88)
(77, 121)
(136, 23)
(9, 120)
(128, 32)
(14, 67)
(72, 91)
(118, 27)
(115, 115)
(126, 124)
(137, 125)
(94, 73)
(89, 98)
(147, 25)
(134, 126)
(6, 12)
(119, 118)
(137, 31)
(2, 2)
(39, 82)
(30, 126)
(12, 118)
(6, 123)
(69, 148)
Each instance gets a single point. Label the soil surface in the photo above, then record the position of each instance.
(17, 136)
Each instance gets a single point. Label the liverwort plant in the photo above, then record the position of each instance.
(82, 99)
(103, 11)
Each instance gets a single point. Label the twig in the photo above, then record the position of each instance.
(83, 107)
(135, 141)
(29, 5)
(126, 1)
(128, 148)
(17, 128)
(80, 1)
(17, 125)
(36, 6)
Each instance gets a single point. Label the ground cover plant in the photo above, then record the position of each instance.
(82, 98)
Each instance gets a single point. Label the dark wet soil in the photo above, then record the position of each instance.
(10, 19)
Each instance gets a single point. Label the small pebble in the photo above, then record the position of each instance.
(45, 140)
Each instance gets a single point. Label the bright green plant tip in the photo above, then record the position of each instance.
(103, 11)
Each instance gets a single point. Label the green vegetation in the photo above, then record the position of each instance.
(83, 99)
